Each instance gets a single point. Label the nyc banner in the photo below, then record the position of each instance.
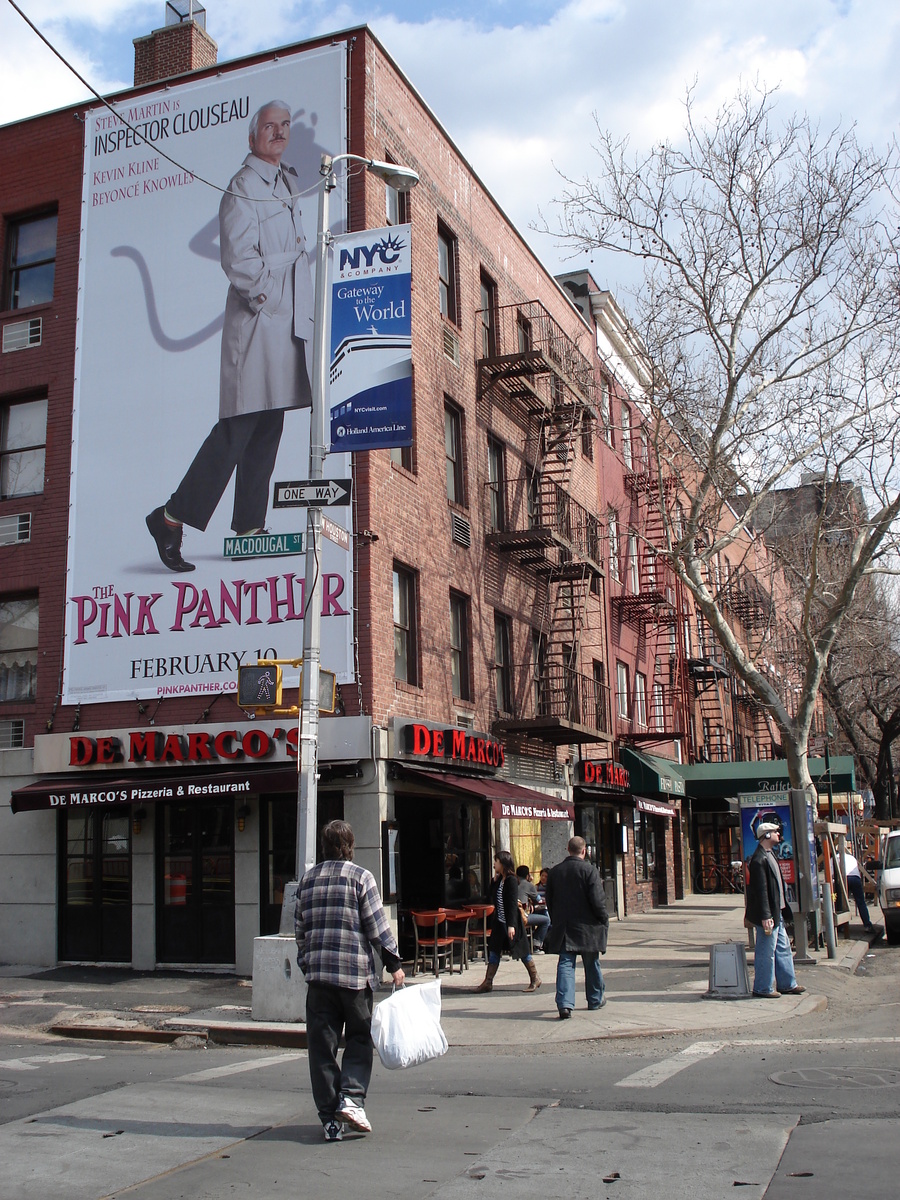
(371, 340)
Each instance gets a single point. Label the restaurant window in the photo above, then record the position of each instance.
(18, 648)
(623, 691)
(459, 646)
(487, 315)
(465, 832)
(502, 663)
(612, 524)
(405, 630)
(496, 485)
(640, 699)
(644, 846)
(453, 443)
(447, 274)
(30, 261)
(626, 438)
(23, 437)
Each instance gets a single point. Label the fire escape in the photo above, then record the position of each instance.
(533, 520)
(645, 597)
(754, 611)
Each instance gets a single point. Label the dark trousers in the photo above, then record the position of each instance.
(331, 1011)
(247, 444)
(858, 892)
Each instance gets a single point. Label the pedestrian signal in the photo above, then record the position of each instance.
(259, 687)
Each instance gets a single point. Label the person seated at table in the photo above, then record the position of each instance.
(534, 908)
(456, 887)
(542, 883)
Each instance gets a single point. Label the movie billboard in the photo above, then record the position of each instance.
(370, 378)
(192, 395)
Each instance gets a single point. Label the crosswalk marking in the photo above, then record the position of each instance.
(252, 1064)
(35, 1061)
(658, 1073)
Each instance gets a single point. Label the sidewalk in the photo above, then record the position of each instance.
(656, 971)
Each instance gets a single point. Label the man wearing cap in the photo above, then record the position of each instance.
(766, 903)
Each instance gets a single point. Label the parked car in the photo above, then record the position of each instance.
(889, 886)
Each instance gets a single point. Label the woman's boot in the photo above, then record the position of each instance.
(536, 980)
(487, 984)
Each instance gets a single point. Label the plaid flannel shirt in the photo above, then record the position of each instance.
(339, 920)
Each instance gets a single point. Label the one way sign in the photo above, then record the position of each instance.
(312, 493)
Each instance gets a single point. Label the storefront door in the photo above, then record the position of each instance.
(95, 886)
(278, 843)
(195, 883)
(597, 826)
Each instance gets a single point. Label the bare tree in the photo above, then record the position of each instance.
(769, 314)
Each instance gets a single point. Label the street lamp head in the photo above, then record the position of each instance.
(395, 176)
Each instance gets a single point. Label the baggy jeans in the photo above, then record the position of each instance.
(329, 1012)
(773, 963)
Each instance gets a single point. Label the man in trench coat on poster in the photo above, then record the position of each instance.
(268, 323)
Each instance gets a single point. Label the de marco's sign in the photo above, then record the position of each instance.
(452, 745)
(604, 774)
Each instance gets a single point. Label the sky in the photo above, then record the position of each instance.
(520, 87)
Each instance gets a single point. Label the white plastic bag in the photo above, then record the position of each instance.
(406, 1027)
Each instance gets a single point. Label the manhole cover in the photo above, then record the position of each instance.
(838, 1077)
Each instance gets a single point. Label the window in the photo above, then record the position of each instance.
(606, 411)
(502, 663)
(686, 631)
(31, 261)
(459, 646)
(396, 202)
(587, 437)
(644, 846)
(658, 706)
(599, 677)
(453, 452)
(488, 316)
(612, 522)
(23, 433)
(627, 454)
(18, 648)
(634, 565)
(540, 673)
(405, 632)
(523, 333)
(447, 283)
(644, 452)
(402, 457)
(533, 499)
(623, 691)
(496, 485)
(640, 699)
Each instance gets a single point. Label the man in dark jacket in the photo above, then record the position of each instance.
(578, 925)
(773, 962)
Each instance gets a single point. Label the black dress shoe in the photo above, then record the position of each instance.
(565, 1013)
(168, 540)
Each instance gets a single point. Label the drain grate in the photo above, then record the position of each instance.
(837, 1077)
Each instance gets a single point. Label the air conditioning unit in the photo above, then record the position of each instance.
(451, 344)
(15, 527)
(22, 335)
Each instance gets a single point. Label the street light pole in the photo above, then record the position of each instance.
(308, 747)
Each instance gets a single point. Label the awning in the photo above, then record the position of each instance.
(651, 774)
(714, 781)
(141, 787)
(507, 799)
(654, 807)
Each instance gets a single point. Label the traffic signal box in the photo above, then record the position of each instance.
(259, 687)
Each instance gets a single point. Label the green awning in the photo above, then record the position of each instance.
(651, 775)
(709, 781)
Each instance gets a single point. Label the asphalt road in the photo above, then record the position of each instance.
(810, 1112)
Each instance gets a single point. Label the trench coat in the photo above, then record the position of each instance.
(270, 303)
(576, 902)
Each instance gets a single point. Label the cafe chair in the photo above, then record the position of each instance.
(432, 939)
(459, 921)
(480, 925)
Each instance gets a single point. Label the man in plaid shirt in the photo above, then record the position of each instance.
(339, 921)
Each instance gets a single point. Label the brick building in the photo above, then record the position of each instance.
(515, 663)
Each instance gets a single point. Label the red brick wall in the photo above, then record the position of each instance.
(172, 50)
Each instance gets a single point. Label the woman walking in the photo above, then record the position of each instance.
(508, 934)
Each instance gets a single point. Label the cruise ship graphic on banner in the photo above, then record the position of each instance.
(370, 380)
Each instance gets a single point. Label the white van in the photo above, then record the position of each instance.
(889, 886)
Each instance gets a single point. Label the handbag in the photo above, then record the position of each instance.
(406, 1027)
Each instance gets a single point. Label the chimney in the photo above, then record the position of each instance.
(181, 45)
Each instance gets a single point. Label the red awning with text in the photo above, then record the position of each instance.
(507, 799)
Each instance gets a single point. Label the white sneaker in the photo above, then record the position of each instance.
(354, 1114)
(333, 1131)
